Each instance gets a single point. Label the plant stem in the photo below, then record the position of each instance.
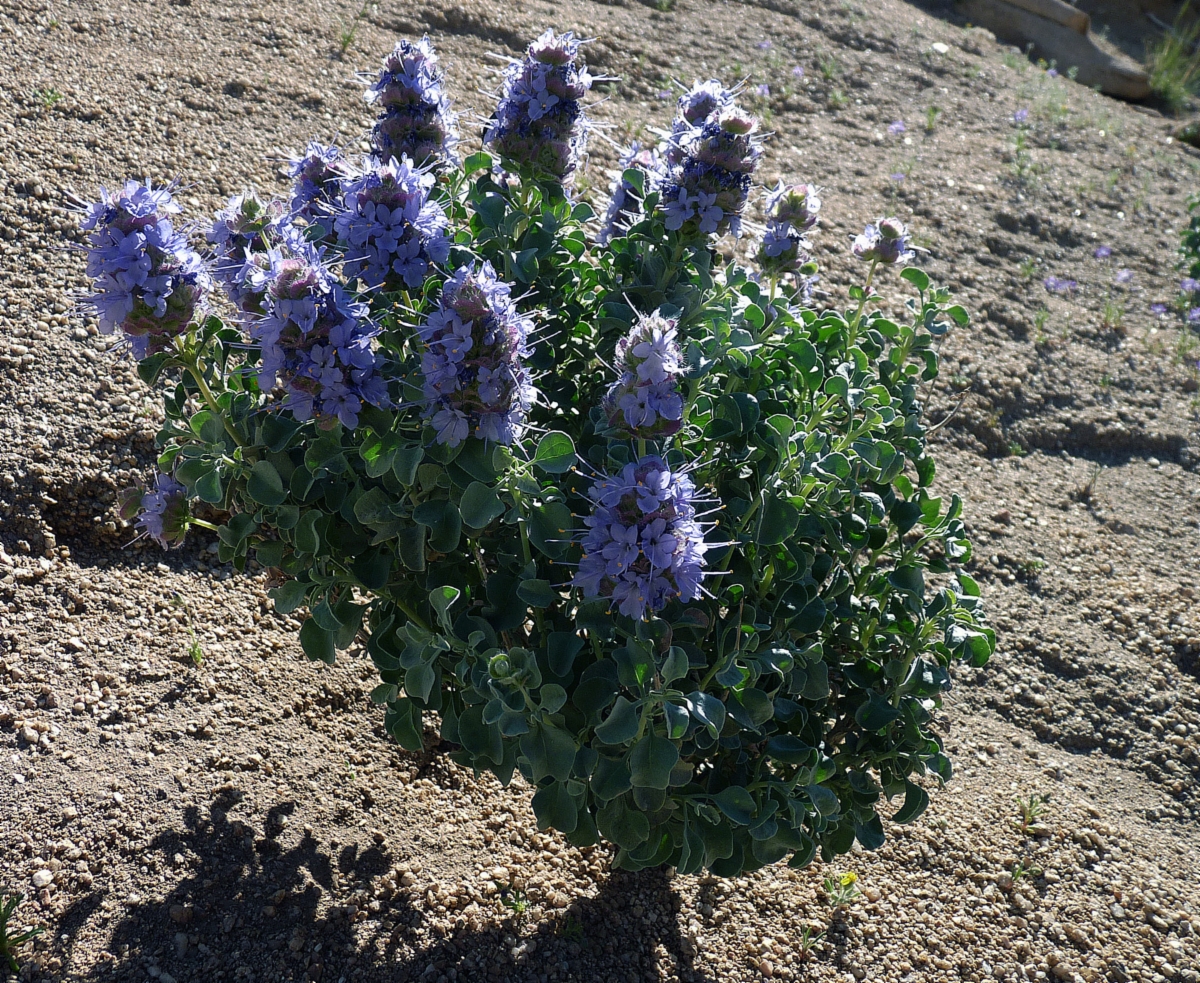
(193, 368)
(862, 303)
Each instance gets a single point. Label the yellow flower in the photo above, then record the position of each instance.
(848, 879)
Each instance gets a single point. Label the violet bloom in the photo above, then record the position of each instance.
(896, 128)
(389, 229)
(709, 181)
(1057, 285)
(539, 126)
(416, 120)
(1190, 285)
(1159, 309)
(160, 512)
(645, 401)
(625, 203)
(1021, 115)
(475, 379)
(887, 242)
(149, 281)
(792, 212)
(241, 233)
(763, 91)
(1102, 252)
(316, 184)
(798, 71)
(1123, 277)
(643, 547)
(1194, 316)
(315, 339)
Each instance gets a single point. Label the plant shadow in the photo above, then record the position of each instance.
(242, 906)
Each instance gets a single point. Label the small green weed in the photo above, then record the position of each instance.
(1021, 870)
(664, 6)
(841, 890)
(348, 32)
(49, 98)
(515, 900)
(1175, 62)
(1031, 809)
(838, 99)
(1040, 337)
(828, 67)
(1015, 62)
(572, 930)
(931, 118)
(1028, 268)
(809, 939)
(1015, 449)
(10, 943)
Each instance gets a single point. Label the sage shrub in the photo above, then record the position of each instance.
(612, 510)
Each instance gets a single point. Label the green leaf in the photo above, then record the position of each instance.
(555, 808)
(373, 509)
(870, 833)
(208, 487)
(876, 713)
(777, 521)
(537, 593)
(410, 542)
(481, 160)
(610, 778)
(651, 761)
(736, 803)
(621, 725)
(317, 642)
(307, 538)
(326, 453)
(555, 453)
(676, 666)
(289, 596)
(151, 367)
(552, 697)
(440, 599)
(625, 827)
(406, 462)
(444, 523)
(916, 801)
(383, 693)
(480, 505)
(561, 649)
(550, 527)
(551, 752)
(264, 485)
(824, 800)
(789, 749)
(403, 722)
(918, 278)
(419, 680)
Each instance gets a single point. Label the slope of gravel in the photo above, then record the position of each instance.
(246, 818)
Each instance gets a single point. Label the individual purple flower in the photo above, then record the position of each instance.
(389, 229)
(643, 547)
(763, 91)
(798, 71)
(1057, 285)
(707, 186)
(539, 125)
(1102, 252)
(1123, 277)
(160, 512)
(1020, 116)
(475, 379)
(663, 94)
(149, 281)
(1189, 285)
(241, 233)
(1194, 315)
(887, 242)
(792, 212)
(898, 176)
(316, 184)
(896, 128)
(416, 121)
(1052, 72)
(1159, 309)
(645, 401)
(315, 339)
(763, 46)
(625, 202)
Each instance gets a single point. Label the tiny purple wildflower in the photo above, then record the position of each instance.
(1158, 309)
(645, 401)
(1123, 277)
(316, 184)
(1058, 285)
(792, 212)
(1102, 252)
(1190, 285)
(149, 281)
(475, 379)
(242, 232)
(763, 46)
(763, 91)
(898, 176)
(896, 128)
(644, 547)
(1021, 115)
(663, 94)
(539, 125)
(798, 71)
(1052, 72)
(1194, 315)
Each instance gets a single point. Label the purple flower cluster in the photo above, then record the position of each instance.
(161, 512)
(643, 547)
(388, 228)
(887, 242)
(317, 184)
(645, 402)
(1057, 285)
(149, 281)
(792, 212)
(475, 380)
(539, 126)
(241, 233)
(1189, 285)
(416, 121)
(625, 204)
(316, 340)
(712, 152)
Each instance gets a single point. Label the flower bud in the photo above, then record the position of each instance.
(645, 401)
(416, 121)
